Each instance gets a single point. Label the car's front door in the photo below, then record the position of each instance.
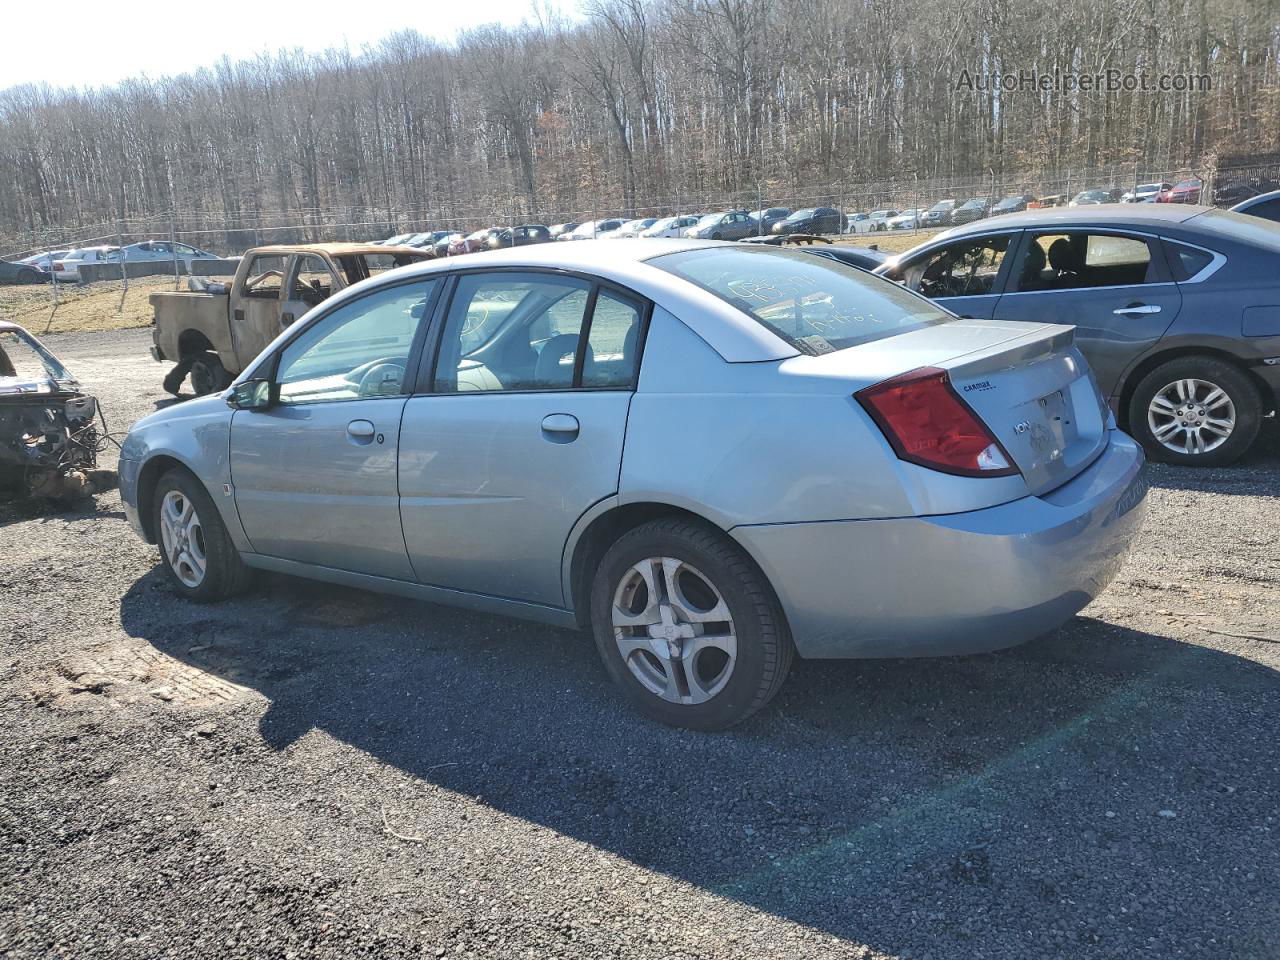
(256, 296)
(312, 280)
(314, 475)
(1114, 288)
(965, 276)
(518, 432)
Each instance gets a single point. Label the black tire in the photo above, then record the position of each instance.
(1240, 390)
(715, 236)
(764, 647)
(28, 276)
(225, 574)
(208, 375)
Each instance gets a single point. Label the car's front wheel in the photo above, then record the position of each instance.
(1195, 411)
(195, 549)
(687, 625)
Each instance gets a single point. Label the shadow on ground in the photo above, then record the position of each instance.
(1257, 473)
(912, 805)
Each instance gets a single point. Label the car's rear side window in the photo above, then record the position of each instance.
(814, 304)
(1185, 262)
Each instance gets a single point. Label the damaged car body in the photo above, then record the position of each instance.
(49, 436)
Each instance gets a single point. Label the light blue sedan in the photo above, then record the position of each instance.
(713, 456)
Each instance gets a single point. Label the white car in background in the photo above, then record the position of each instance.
(877, 221)
(906, 220)
(44, 261)
(592, 229)
(67, 270)
(670, 227)
(632, 228)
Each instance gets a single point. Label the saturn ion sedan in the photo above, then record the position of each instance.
(713, 456)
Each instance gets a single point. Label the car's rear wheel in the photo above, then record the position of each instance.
(208, 375)
(28, 276)
(195, 549)
(1195, 411)
(688, 626)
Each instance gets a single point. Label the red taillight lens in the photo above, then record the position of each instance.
(58, 266)
(927, 423)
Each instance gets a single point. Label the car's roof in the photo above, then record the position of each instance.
(1103, 214)
(1244, 205)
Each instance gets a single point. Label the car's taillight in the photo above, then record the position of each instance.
(927, 423)
(58, 266)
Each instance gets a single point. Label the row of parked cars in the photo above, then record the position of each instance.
(64, 265)
(775, 221)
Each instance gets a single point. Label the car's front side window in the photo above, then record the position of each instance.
(359, 350)
(964, 269)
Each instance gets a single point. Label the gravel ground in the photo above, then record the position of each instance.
(310, 771)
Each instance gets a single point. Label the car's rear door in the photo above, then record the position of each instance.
(1113, 287)
(517, 430)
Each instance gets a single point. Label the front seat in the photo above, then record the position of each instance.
(549, 371)
(1062, 258)
(1033, 264)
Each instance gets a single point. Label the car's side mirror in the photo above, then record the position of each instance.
(250, 395)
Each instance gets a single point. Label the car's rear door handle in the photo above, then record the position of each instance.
(1136, 308)
(361, 429)
(560, 427)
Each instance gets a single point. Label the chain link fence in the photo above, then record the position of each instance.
(116, 295)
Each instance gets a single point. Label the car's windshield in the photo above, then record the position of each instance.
(663, 224)
(943, 205)
(710, 218)
(1148, 187)
(815, 304)
(975, 203)
(26, 367)
(802, 214)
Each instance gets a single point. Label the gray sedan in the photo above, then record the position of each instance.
(1176, 307)
(713, 456)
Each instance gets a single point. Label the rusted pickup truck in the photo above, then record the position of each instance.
(213, 333)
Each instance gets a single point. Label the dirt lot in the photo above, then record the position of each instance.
(315, 772)
(80, 309)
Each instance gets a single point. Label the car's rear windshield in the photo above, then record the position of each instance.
(815, 304)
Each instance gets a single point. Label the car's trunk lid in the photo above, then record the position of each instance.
(1037, 396)
(1027, 382)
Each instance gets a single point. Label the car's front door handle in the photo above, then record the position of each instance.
(1135, 308)
(361, 429)
(560, 427)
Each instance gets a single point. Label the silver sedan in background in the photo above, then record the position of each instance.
(713, 456)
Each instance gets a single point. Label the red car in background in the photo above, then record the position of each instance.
(1184, 191)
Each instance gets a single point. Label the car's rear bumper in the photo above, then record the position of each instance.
(960, 583)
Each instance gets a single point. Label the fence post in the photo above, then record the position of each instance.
(173, 244)
(124, 271)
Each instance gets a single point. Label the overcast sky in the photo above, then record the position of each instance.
(76, 45)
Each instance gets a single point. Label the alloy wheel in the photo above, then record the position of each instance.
(182, 538)
(674, 630)
(1191, 416)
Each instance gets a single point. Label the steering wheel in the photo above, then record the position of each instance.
(382, 378)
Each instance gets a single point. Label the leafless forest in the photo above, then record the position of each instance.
(638, 104)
